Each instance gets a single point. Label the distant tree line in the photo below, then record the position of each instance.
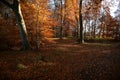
(36, 20)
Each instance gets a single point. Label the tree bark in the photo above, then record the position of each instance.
(81, 39)
(61, 27)
(22, 26)
(77, 25)
(23, 32)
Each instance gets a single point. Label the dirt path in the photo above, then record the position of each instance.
(64, 61)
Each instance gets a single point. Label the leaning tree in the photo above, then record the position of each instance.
(15, 6)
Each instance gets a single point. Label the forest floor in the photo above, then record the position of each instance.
(63, 60)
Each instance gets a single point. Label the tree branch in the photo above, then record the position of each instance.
(7, 3)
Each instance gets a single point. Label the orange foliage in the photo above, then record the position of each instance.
(30, 14)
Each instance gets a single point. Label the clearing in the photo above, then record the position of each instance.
(63, 60)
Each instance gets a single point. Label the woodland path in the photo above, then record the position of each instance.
(63, 60)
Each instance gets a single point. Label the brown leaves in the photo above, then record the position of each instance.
(86, 61)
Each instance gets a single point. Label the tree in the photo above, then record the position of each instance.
(81, 39)
(17, 11)
(61, 27)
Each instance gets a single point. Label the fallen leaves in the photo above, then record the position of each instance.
(74, 62)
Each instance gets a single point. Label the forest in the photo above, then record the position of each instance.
(59, 40)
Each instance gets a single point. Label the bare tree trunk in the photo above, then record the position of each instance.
(81, 39)
(23, 32)
(37, 32)
(85, 30)
(55, 17)
(94, 30)
(100, 33)
(61, 27)
(77, 26)
(22, 26)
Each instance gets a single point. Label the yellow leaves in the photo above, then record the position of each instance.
(49, 33)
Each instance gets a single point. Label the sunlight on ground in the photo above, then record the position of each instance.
(99, 44)
(62, 61)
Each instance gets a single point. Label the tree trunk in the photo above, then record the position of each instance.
(85, 30)
(77, 26)
(37, 32)
(22, 26)
(81, 39)
(94, 30)
(61, 27)
(17, 11)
